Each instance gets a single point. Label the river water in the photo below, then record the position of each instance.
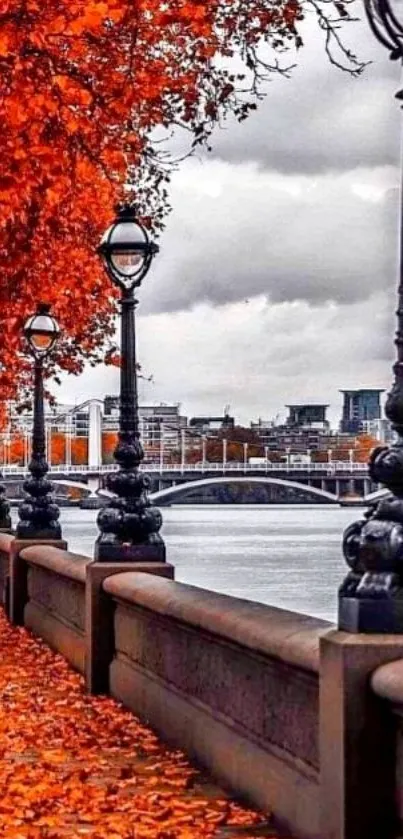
(284, 556)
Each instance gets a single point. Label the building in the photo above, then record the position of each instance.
(308, 416)
(302, 431)
(210, 425)
(381, 430)
(160, 426)
(279, 438)
(359, 407)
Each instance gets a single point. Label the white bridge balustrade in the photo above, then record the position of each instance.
(327, 469)
(87, 423)
(332, 481)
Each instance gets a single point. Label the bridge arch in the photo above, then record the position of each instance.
(170, 495)
(373, 497)
(65, 482)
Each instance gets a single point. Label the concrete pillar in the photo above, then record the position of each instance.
(68, 436)
(95, 435)
(93, 485)
(19, 573)
(356, 738)
(99, 612)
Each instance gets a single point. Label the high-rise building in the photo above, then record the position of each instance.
(359, 407)
(210, 425)
(308, 416)
(159, 425)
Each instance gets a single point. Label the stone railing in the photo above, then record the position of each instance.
(234, 683)
(55, 607)
(288, 712)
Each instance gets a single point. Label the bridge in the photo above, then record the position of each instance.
(224, 482)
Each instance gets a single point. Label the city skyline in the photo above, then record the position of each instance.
(279, 419)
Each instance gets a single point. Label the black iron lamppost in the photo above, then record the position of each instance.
(5, 518)
(39, 514)
(371, 596)
(129, 525)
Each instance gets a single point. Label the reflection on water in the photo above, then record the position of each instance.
(285, 556)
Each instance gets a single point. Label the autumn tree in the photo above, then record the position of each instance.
(364, 445)
(85, 84)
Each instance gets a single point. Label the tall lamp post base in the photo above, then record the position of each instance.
(110, 550)
(371, 616)
(5, 518)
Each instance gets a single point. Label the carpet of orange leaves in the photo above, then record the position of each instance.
(72, 765)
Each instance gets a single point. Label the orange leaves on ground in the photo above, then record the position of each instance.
(73, 765)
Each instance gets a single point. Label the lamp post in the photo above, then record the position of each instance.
(204, 448)
(129, 526)
(371, 596)
(161, 448)
(5, 517)
(38, 514)
(183, 450)
(245, 457)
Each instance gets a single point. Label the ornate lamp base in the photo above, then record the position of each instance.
(38, 514)
(5, 518)
(365, 615)
(27, 530)
(108, 549)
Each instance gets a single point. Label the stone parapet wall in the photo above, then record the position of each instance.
(387, 684)
(235, 683)
(5, 543)
(55, 608)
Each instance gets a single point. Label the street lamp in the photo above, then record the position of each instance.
(5, 517)
(245, 457)
(129, 525)
(371, 596)
(38, 514)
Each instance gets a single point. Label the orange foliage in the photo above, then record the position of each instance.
(78, 765)
(79, 451)
(57, 449)
(319, 456)
(84, 85)
(109, 440)
(363, 447)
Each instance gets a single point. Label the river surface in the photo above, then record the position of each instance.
(284, 556)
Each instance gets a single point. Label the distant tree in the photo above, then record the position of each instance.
(57, 453)
(109, 440)
(79, 451)
(364, 445)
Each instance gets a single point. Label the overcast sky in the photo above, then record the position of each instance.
(276, 277)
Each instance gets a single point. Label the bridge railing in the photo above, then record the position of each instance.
(332, 468)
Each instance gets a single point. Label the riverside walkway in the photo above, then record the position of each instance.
(74, 765)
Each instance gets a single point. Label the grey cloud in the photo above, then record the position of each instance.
(312, 239)
(322, 119)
